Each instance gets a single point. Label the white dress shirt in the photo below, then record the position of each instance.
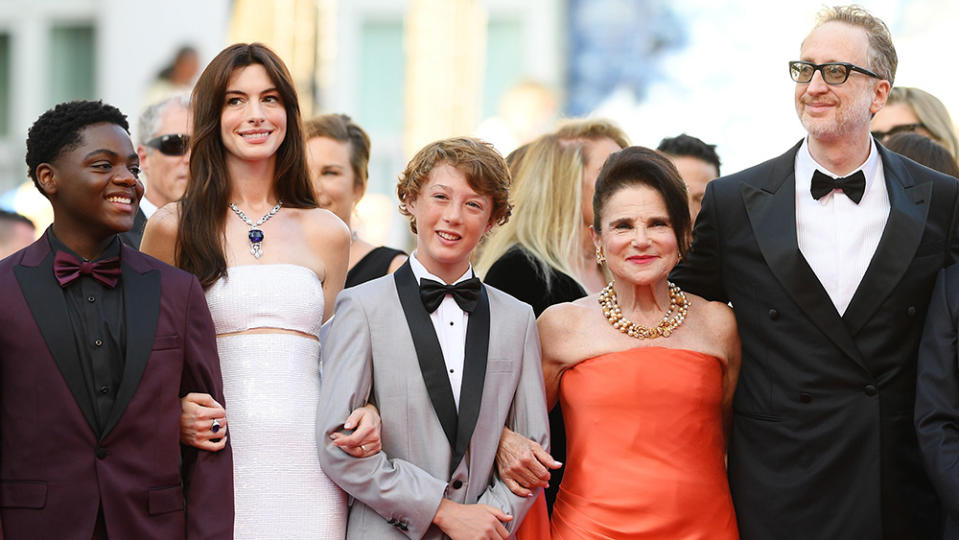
(837, 236)
(449, 321)
(147, 207)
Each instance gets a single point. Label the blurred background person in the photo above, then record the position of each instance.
(600, 138)
(338, 154)
(912, 109)
(924, 150)
(177, 76)
(16, 232)
(697, 163)
(163, 144)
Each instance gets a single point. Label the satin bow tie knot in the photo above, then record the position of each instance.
(853, 185)
(68, 268)
(466, 293)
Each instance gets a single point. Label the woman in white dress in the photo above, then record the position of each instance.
(272, 264)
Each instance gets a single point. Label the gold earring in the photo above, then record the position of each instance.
(600, 258)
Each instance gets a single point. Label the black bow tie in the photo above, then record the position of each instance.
(466, 293)
(853, 185)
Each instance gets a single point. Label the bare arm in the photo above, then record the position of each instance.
(329, 238)
(159, 236)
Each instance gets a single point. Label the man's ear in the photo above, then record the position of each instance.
(47, 178)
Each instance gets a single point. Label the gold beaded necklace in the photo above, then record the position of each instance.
(678, 305)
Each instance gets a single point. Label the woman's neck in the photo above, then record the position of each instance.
(643, 303)
(252, 183)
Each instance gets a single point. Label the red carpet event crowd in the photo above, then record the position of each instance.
(589, 340)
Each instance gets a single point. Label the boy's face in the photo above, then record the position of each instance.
(94, 187)
(451, 218)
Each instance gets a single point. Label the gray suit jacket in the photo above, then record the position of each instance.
(382, 348)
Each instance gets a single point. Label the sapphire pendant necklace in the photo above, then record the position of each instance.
(256, 234)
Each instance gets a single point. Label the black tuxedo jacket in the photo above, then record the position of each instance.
(822, 443)
(56, 467)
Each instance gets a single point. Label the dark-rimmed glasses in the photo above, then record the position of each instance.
(175, 144)
(832, 72)
(902, 128)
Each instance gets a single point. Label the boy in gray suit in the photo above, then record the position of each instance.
(420, 345)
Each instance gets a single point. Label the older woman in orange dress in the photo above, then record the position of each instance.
(645, 374)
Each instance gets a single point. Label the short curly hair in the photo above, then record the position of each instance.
(58, 130)
(485, 169)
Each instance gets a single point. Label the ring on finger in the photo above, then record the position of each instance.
(363, 448)
(215, 427)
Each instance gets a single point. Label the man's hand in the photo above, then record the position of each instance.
(365, 439)
(471, 521)
(197, 413)
(522, 464)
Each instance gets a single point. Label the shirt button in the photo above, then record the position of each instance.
(870, 390)
(457, 484)
(773, 314)
(451, 371)
(451, 323)
(911, 311)
(98, 342)
(104, 389)
(101, 452)
(91, 299)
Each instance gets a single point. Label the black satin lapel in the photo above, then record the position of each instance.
(49, 309)
(474, 376)
(909, 206)
(428, 351)
(772, 216)
(141, 306)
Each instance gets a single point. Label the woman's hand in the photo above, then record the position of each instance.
(365, 439)
(522, 463)
(199, 416)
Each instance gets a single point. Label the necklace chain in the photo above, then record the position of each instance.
(678, 305)
(242, 215)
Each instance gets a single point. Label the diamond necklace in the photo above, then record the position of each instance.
(678, 305)
(256, 235)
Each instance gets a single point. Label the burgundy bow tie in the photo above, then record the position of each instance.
(68, 268)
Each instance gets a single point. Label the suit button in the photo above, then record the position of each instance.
(773, 314)
(104, 389)
(870, 390)
(102, 452)
(457, 484)
(911, 311)
(392, 521)
(404, 526)
(804, 397)
(98, 342)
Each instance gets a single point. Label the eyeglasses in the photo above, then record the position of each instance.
(175, 144)
(832, 72)
(902, 128)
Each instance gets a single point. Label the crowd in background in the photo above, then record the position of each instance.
(495, 372)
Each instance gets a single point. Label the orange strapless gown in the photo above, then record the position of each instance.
(645, 448)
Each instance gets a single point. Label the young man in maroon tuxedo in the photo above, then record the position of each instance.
(97, 344)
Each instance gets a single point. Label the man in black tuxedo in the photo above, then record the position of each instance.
(828, 254)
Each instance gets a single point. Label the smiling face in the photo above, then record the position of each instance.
(637, 236)
(451, 218)
(93, 186)
(830, 112)
(253, 119)
(332, 175)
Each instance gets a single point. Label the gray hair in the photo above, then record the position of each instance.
(882, 53)
(149, 122)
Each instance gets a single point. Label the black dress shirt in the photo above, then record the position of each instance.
(97, 317)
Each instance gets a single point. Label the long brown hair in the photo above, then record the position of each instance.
(199, 247)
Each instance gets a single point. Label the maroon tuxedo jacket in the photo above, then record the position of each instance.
(56, 470)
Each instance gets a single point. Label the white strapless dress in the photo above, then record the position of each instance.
(271, 383)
